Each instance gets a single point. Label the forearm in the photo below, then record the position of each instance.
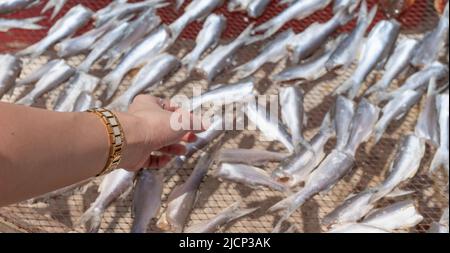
(41, 151)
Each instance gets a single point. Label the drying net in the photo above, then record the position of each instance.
(61, 213)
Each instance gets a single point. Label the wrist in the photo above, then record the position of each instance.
(134, 150)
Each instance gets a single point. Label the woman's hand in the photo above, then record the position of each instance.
(147, 127)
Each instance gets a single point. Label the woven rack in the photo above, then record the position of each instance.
(61, 213)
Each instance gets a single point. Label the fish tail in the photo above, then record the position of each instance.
(439, 159)
(48, 6)
(372, 14)
(177, 27)
(246, 34)
(331, 65)
(269, 28)
(239, 213)
(363, 12)
(92, 217)
(328, 220)
(379, 86)
(379, 193)
(32, 23)
(379, 130)
(354, 90)
(344, 87)
(245, 70)
(305, 144)
(56, 10)
(112, 81)
(190, 60)
(112, 59)
(382, 96)
(27, 100)
(281, 205)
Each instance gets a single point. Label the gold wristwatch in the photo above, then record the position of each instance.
(116, 138)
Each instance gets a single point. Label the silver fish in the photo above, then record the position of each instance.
(137, 30)
(14, 5)
(249, 156)
(102, 45)
(75, 19)
(229, 214)
(418, 80)
(121, 9)
(398, 62)
(357, 228)
(433, 43)
(401, 215)
(81, 82)
(293, 115)
(380, 43)
(182, 199)
(152, 45)
(225, 94)
(441, 158)
(24, 24)
(218, 59)
(9, 71)
(39, 73)
(298, 10)
(348, 5)
(248, 175)
(146, 199)
(208, 37)
(336, 165)
(362, 125)
(427, 126)
(348, 49)
(330, 171)
(56, 5)
(343, 114)
(195, 10)
(257, 7)
(55, 76)
(268, 125)
(85, 101)
(112, 186)
(309, 70)
(77, 45)
(273, 52)
(296, 169)
(396, 109)
(404, 167)
(151, 75)
(354, 208)
(309, 41)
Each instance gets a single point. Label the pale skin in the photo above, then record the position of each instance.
(42, 151)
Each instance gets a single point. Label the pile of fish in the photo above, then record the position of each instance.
(131, 36)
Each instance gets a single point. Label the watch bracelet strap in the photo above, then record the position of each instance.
(116, 138)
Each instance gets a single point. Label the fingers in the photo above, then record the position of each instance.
(167, 105)
(189, 137)
(175, 149)
(156, 162)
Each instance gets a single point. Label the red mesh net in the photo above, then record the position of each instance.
(420, 16)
